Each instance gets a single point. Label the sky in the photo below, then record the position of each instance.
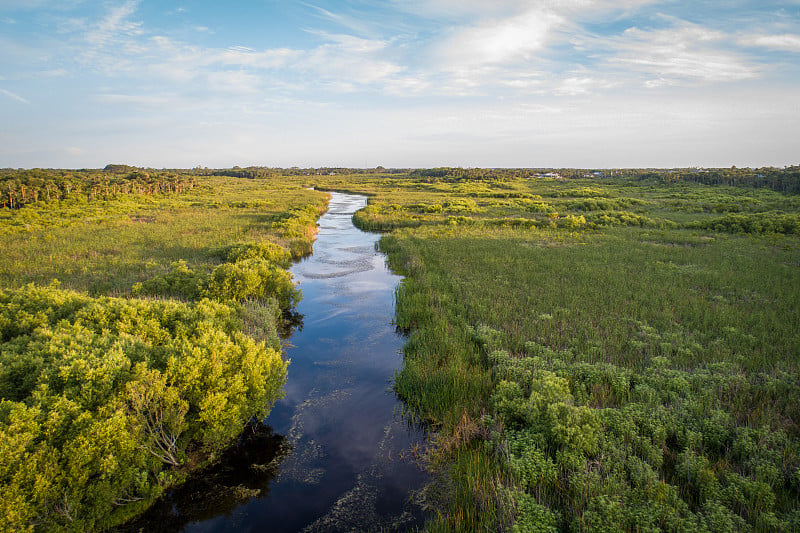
(399, 83)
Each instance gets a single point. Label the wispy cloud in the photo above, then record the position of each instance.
(481, 78)
(680, 53)
(357, 25)
(14, 96)
(132, 99)
(119, 46)
(351, 60)
(115, 23)
(579, 84)
(786, 42)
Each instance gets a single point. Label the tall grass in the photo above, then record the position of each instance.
(615, 375)
(145, 237)
(109, 401)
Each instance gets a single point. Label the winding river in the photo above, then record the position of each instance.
(336, 453)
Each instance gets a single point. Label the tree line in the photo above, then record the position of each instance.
(786, 180)
(22, 187)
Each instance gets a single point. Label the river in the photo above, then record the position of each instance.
(336, 452)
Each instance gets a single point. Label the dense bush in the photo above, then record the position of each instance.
(626, 218)
(267, 251)
(667, 455)
(251, 278)
(756, 223)
(257, 271)
(103, 400)
(602, 204)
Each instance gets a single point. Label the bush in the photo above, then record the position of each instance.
(257, 273)
(754, 223)
(267, 251)
(251, 278)
(102, 398)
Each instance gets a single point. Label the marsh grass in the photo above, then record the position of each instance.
(637, 371)
(145, 236)
(592, 353)
(110, 401)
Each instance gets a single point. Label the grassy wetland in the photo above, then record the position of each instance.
(138, 332)
(598, 353)
(594, 352)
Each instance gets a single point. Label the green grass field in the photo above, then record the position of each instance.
(138, 336)
(600, 355)
(594, 354)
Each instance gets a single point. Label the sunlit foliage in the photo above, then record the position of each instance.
(600, 354)
(105, 402)
(105, 398)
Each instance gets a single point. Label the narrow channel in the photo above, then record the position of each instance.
(336, 455)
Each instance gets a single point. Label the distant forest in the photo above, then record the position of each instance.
(19, 187)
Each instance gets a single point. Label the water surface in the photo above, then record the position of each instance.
(335, 455)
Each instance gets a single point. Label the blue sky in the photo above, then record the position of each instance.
(361, 83)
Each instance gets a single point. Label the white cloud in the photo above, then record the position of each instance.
(542, 88)
(118, 46)
(115, 24)
(245, 57)
(684, 52)
(576, 85)
(461, 8)
(787, 41)
(351, 60)
(500, 41)
(132, 99)
(237, 82)
(406, 86)
(354, 24)
(478, 9)
(14, 96)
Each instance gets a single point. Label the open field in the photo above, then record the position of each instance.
(600, 354)
(596, 353)
(154, 348)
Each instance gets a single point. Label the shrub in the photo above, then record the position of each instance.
(267, 251)
(251, 278)
(116, 392)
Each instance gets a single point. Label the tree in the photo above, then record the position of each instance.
(159, 411)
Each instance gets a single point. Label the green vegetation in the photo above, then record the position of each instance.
(104, 399)
(26, 187)
(596, 353)
(599, 354)
(107, 399)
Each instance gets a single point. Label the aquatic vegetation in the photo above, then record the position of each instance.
(633, 371)
(592, 352)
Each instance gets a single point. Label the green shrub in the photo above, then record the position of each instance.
(267, 251)
(251, 278)
(180, 282)
(533, 517)
(116, 393)
(754, 223)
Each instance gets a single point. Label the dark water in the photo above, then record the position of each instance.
(335, 452)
